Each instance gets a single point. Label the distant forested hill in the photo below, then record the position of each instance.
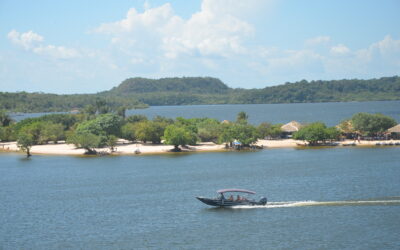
(385, 88)
(196, 85)
(196, 90)
(138, 92)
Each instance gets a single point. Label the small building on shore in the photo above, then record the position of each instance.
(347, 130)
(394, 132)
(225, 122)
(289, 128)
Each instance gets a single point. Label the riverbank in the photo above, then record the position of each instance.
(125, 148)
(122, 148)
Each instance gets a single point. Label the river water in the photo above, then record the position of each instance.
(330, 113)
(323, 198)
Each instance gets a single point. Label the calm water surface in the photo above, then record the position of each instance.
(331, 198)
(330, 113)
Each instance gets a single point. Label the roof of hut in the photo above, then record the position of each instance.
(395, 129)
(346, 127)
(290, 127)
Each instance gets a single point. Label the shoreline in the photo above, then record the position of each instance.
(124, 147)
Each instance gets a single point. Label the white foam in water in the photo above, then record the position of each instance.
(282, 204)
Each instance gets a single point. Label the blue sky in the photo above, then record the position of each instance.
(90, 46)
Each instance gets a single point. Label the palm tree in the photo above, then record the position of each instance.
(242, 117)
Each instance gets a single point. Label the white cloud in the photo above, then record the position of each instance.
(56, 51)
(318, 40)
(340, 50)
(213, 31)
(288, 64)
(32, 41)
(379, 59)
(387, 47)
(383, 56)
(27, 40)
(232, 7)
(218, 40)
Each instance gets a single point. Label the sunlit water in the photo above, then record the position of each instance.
(332, 198)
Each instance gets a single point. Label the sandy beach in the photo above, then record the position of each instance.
(122, 148)
(126, 148)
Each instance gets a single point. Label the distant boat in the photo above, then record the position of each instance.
(237, 197)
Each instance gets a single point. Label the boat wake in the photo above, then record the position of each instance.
(388, 201)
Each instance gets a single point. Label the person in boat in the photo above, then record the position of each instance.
(231, 198)
(238, 198)
(222, 197)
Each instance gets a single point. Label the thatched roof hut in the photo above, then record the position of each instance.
(291, 127)
(395, 129)
(346, 127)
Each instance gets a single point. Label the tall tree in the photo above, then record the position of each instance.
(121, 111)
(128, 131)
(106, 124)
(316, 133)
(52, 132)
(5, 119)
(178, 135)
(245, 133)
(112, 142)
(266, 129)
(25, 142)
(227, 135)
(372, 124)
(149, 131)
(101, 106)
(85, 140)
(209, 130)
(242, 117)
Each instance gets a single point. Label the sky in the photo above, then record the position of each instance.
(88, 46)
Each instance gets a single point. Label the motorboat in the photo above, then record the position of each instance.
(233, 197)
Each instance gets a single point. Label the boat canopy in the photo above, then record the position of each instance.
(235, 190)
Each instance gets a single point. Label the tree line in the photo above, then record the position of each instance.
(97, 128)
(141, 92)
(39, 102)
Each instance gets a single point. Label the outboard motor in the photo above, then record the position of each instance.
(263, 201)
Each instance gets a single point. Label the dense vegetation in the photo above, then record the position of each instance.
(139, 92)
(91, 131)
(96, 128)
(365, 124)
(40, 102)
(317, 133)
(180, 91)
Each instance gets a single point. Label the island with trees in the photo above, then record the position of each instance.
(98, 132)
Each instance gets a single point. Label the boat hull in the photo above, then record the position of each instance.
(229, 203)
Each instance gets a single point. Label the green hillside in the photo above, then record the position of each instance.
(195, 90)
(140, 92)
(197, 85)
